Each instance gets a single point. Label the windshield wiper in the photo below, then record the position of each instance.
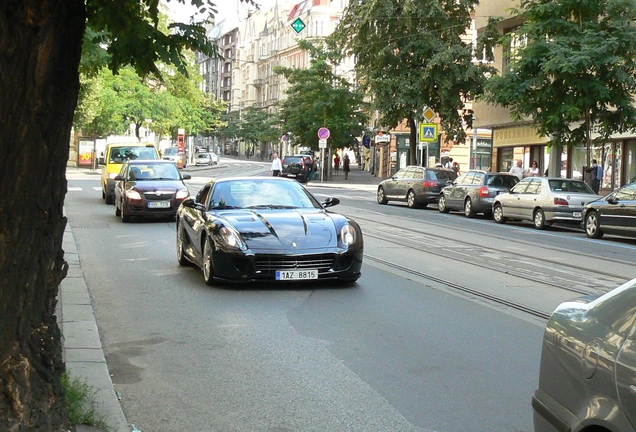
(271, 206)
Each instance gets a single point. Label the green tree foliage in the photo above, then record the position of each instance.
(410, 55)
(574, 68)
(317, 97)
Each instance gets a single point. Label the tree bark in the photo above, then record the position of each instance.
(40, 48)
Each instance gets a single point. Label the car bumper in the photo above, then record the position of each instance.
(549, 415)
(301, 177)
(238, 267)
(561, 215)
(142, 209)
(427, 197)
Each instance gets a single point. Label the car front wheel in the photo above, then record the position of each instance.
(539, 219)
(381, 196)
(181, 256)
(592, 225)
(497, 214)
(208, 268)
(441, 204)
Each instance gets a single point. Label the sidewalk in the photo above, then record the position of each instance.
(82, 347)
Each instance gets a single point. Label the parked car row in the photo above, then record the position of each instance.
(541, 200)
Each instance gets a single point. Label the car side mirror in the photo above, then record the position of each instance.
(119, 177)
(186, 176)
(330, 202)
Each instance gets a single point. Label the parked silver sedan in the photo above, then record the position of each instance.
(543, 200)
(587, 378)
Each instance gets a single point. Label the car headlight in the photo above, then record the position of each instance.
(348, 235)
(133, 195)
(182, 194)
(231, 238)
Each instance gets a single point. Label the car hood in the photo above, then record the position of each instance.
(155, 185)
(295, 229)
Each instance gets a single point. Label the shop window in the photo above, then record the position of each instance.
(630, 162)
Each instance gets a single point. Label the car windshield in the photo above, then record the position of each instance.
(172, 151)
(260, 194)
(502, 180)
(565, 185)
(167, 171)
(123, 154)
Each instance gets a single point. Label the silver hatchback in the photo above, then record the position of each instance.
(543, 200)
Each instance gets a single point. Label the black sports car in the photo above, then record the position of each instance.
(612, 214)
(266, 229)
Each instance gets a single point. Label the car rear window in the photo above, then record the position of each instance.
(124, 153)
(569, 186)
(293, 160)
(502, 180)
(441, 175)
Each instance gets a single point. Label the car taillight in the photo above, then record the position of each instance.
(560, 201)
(429, 184)
(483, 192)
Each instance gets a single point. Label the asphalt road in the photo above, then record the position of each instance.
(397, 352)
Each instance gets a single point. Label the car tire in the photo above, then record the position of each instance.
(441, 204)
(124, 217)
(381, 197)
(538, 218)
(181, 255)
(103, 194)
(110, 199)
(410, 199)
(497, 214)
(592, 225)
(117, 210)
(469, 211)
(207, 267)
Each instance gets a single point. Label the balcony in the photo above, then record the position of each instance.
(258, 82)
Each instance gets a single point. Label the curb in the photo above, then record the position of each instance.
(82, 348)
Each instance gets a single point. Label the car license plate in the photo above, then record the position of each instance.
(296, 274)
(159, 204)
(291, 175)
(576, 214)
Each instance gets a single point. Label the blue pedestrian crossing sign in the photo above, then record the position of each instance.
(428, 132)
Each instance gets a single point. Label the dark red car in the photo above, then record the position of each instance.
(149, 188)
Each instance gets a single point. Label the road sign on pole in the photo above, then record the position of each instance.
(323, 133)
(428, 132)
(322, 143)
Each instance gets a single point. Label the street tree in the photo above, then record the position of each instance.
(259, 126)
(40, 53)
(411, 55)
(317, 97)
(571, 69)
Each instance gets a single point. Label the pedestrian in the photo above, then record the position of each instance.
(456, 168)
(449, 163)
(277, 167)
(517, 170)
(345, 166)
(336, 164)
(533, 171)
(596, 175)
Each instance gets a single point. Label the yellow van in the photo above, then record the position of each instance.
(114, 158)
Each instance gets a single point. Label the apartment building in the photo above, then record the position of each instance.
(513, 140)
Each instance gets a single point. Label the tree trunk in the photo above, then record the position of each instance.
(40, 48)
(412, 140)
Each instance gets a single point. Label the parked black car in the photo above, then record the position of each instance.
(474, 191)
(294, 167)
(417, 186)
(612, 214)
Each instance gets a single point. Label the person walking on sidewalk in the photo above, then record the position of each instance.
(336, 164)
(345, 166)
(277, 167)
